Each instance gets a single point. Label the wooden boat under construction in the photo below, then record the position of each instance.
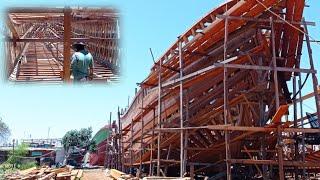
(215, 102)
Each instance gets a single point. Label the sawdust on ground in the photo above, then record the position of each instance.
(93, 174)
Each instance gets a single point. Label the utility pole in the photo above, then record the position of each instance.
(13, 141)
(48, 132)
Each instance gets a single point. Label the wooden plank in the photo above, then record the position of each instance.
(276, 119)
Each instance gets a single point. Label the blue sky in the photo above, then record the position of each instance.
(32, 109)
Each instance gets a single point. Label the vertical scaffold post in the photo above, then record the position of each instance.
(186, 134)
(159, 118)
(120, 141)
(295, 124)
(181, 113)
(274, 62)
(151, 145)
(302, 126)
(142, 132)
(314, 77)
(275, 78)
(225, 98)
(131, 146)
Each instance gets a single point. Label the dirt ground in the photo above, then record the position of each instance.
(94, 174)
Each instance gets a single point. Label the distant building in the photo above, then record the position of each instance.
(43, 151)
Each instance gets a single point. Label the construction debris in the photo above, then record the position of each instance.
(164, 178)
(116, 174)
(46, 173)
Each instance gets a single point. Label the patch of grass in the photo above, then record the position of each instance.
(27, 165)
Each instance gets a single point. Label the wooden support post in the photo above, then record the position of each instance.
(142, 132)
(280, 154)
(274, 61)
(295, 124)
(275, 78)
(225, 115)
(120, 142)
(110, 119)
(151, 148)
(12, 29)
(314, 77)
(263, 138)
(225, 100)
(303, 134)
(186, 134)
(167, 158)
(66, 44)
(57, 50)
(191, 172)
(181, 112)
(131, 145)
(107, 163)
(251, 157)
(159, 119)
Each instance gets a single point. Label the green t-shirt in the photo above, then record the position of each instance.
(80, 64)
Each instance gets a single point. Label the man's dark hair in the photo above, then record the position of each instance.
(78, 47)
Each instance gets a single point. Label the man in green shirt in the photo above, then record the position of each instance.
(81, 63)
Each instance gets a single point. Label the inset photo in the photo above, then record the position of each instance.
(62, 45)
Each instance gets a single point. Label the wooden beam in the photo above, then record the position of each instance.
(250, 156)
(273, 162)
(12, 28)
(253, 67)
(241, 128)
(279, 21)
(36, 10)
(62, 39)
(67, 44)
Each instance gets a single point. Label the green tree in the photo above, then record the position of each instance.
(78, 138)
(4, 131)
(16, 157)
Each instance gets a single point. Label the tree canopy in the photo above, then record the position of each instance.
(4, 131)
(78, 138)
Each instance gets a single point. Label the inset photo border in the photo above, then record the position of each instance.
(62, 45)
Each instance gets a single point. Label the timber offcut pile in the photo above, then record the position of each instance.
(47, 173)
(118, 175)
